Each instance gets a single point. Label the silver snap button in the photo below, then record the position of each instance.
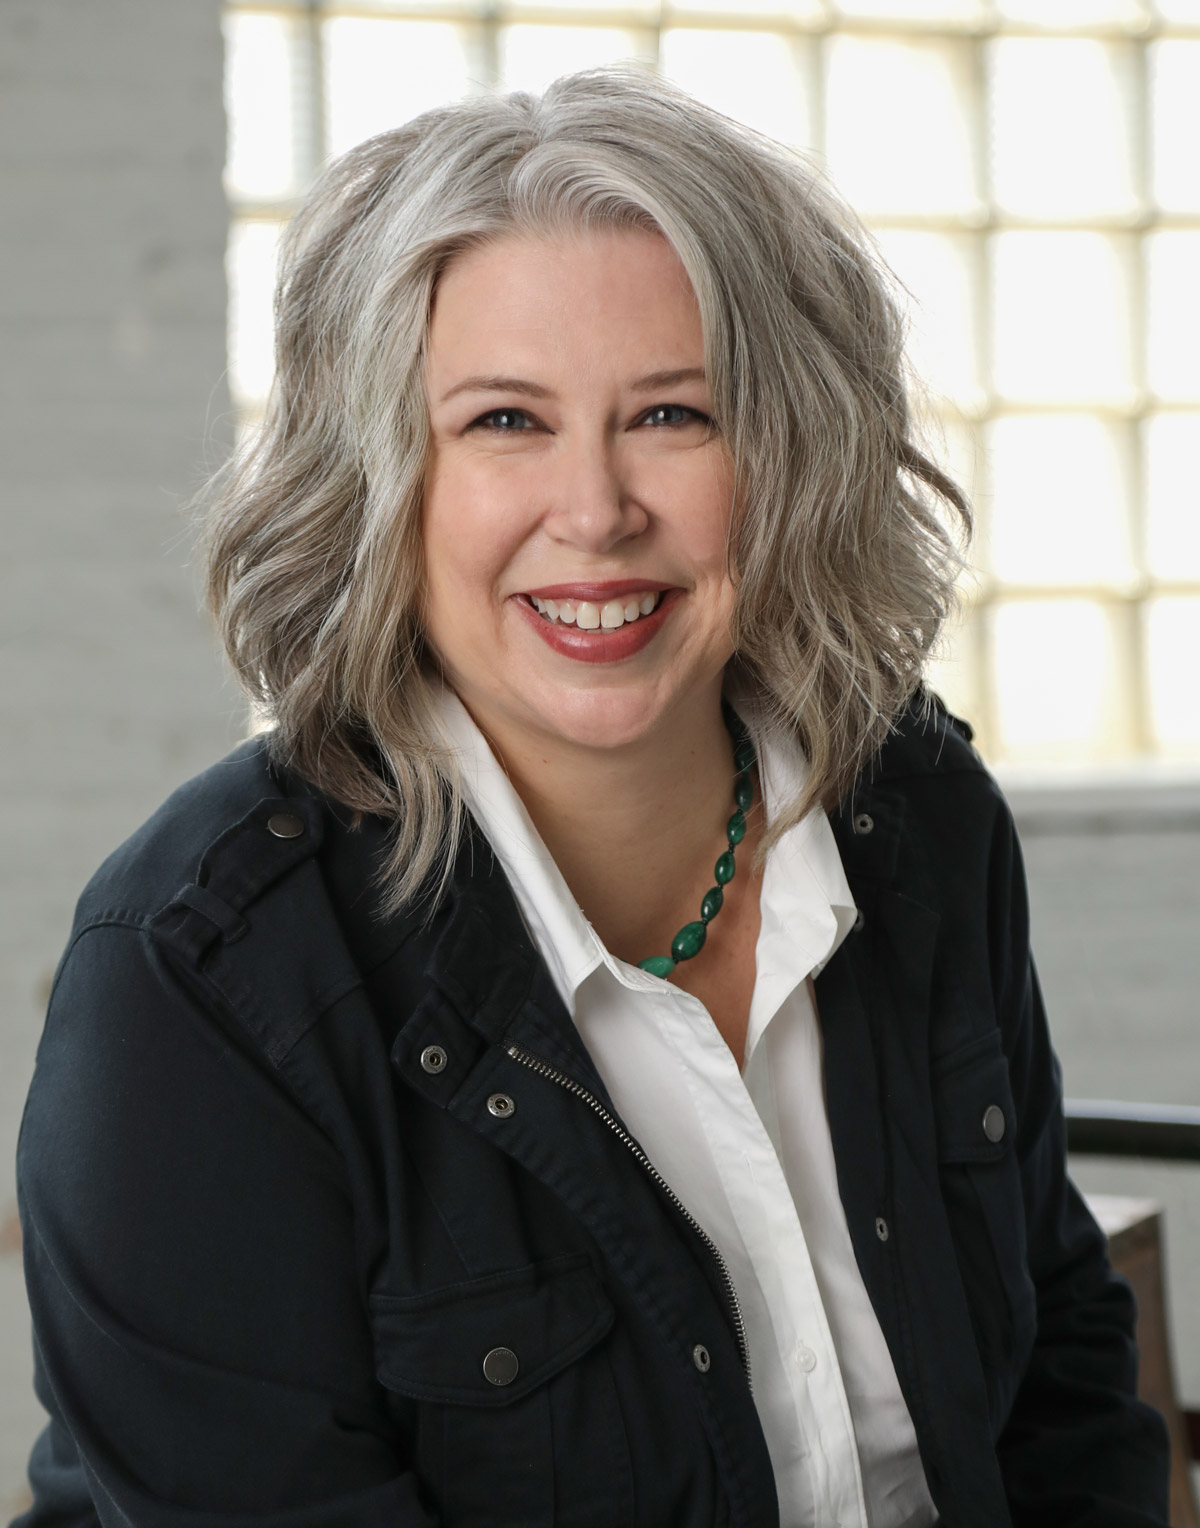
(701, 1359)
(501, 1105)
(433, 1059)
(994, 1123)
(881, 1229)
(285, 825)
(864, 822)
(500, 1366)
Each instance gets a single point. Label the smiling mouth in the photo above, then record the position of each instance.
(589, 615)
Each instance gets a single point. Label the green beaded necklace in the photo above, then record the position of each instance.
(689, 941)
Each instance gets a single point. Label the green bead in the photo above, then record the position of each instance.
(743, 792)
(723, 869)
(711, 906)
(743, 754)
(689, 941)
(657, 965)
(735, 829)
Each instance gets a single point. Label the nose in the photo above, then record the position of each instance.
(594, 507)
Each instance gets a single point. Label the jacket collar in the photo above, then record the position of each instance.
(481, 961)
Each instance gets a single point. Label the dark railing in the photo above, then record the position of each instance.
(1099, 1128)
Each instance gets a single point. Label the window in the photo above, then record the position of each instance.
(1029, 169)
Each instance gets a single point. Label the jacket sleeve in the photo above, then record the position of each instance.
(1079, 1449)
(201, 1341)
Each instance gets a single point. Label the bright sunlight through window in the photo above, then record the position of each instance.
(1030, 171)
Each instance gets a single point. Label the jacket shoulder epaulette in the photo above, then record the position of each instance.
(173, 846)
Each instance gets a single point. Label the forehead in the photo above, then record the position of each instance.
(603, 290)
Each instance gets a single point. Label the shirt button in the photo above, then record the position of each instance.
(881, 1229)
(701, 1358)
(864, 823)
(804, 1358)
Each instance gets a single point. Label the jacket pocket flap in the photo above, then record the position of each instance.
(973, 1102)
(489, 1341)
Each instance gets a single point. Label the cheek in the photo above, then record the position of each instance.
(479, 494)
(470, 538)
(701, 500)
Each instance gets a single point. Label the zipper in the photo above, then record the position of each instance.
(544, 1069)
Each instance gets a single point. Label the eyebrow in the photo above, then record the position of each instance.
(493, 384)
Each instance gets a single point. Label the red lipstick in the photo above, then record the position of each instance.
(599, 646)
(597, 593)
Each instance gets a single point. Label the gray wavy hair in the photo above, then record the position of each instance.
(844, 550)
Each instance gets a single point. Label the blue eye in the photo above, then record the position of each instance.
(664, 415)
(504, 421)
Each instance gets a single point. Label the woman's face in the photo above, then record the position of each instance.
(578, 499)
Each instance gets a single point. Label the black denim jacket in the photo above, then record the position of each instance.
(329, 1219)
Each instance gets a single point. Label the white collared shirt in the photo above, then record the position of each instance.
(747, 1151)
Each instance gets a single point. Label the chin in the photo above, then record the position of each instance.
(594, 719)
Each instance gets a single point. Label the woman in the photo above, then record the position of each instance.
(500, 1094)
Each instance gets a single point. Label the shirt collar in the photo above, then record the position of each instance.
(807, 906)
(570, 946)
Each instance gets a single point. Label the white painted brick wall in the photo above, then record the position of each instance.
(112, 334)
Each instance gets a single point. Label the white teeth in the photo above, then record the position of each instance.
(589, 616)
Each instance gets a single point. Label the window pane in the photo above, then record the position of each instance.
(378, 74)
(1173, 300)
(1186, 11)
(1172, 447)
(1060, 316)
(898, 135)
(1172, 642)
(1056, 677)
(962, 11)
(755, 77)
(938, 271)
(1175, 123)
(531, 57)
(515, 9)
(799, 10)
(261, 106)
(1061, 140)
(1059, 501)
(1062, 15)
(250, 265)
(431, 7)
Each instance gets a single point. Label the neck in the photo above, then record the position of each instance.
(634, 830)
